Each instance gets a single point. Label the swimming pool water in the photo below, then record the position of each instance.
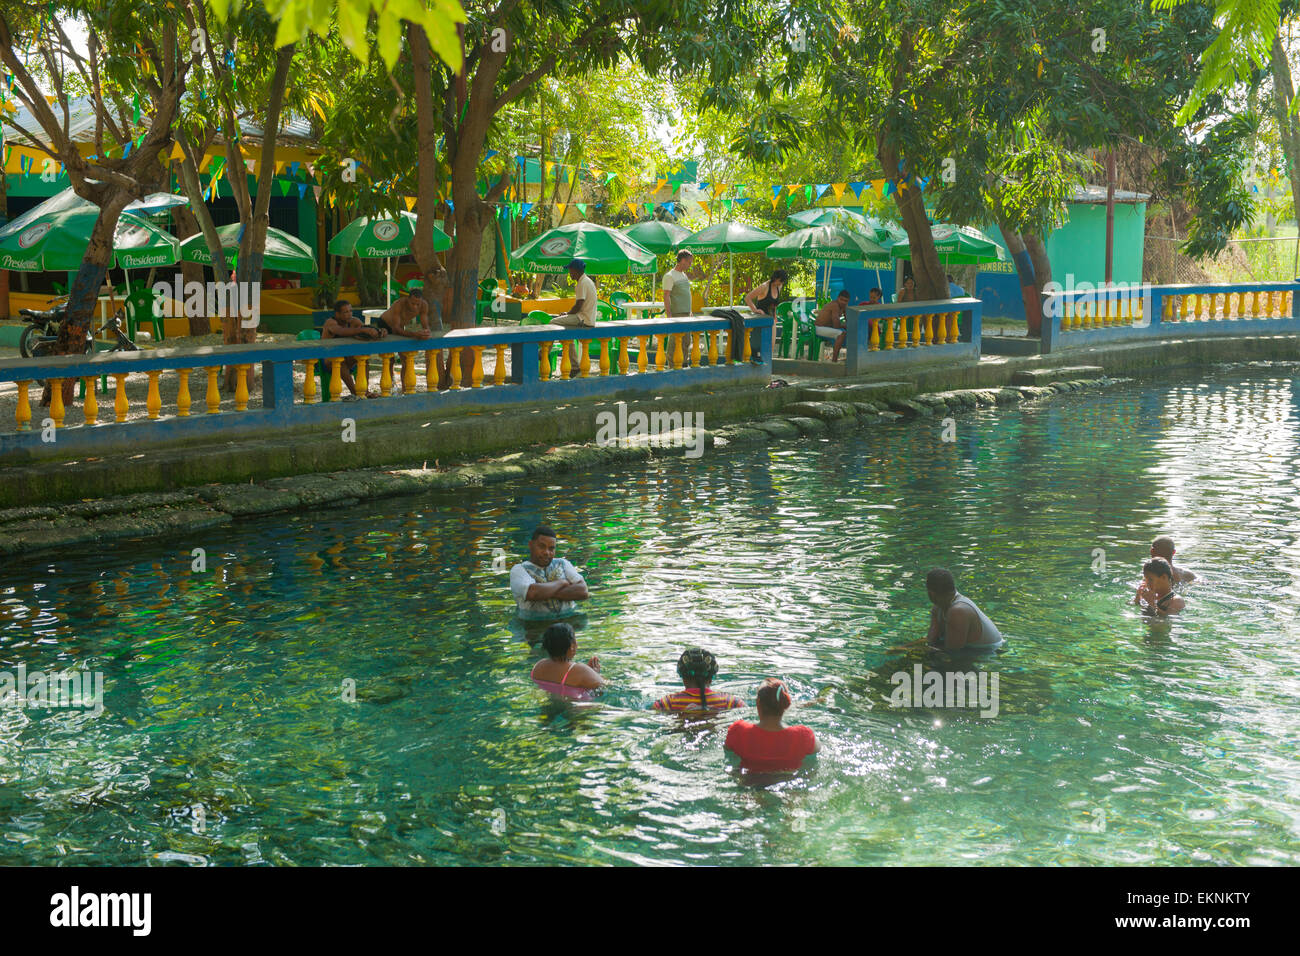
(1119, 740)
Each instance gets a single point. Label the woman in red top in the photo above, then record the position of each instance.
(767, 746)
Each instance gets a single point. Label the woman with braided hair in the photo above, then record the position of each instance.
(697, 668)
(767, 746)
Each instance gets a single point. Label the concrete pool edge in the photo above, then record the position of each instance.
(138, 511)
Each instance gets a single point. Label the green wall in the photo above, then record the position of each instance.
(1079, 247)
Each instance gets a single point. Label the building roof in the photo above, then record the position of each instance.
(1097, 194)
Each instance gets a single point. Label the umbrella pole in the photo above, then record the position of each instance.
(731, 281)
(388, 284)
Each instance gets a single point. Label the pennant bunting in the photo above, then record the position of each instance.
(703, 187)
(660, 184)
(719, 189)
(776, 191)
(525, 207)
(741, 200)
(808, 193)
(302, 191)
(582, 209)
(838, 190)
(316, 191)
(561, 206)
(789, 200)
(670, 206)
(821, 189)
(857, 189)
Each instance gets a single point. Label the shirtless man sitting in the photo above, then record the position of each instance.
(410, 306)
(344, 325)
(955, 621)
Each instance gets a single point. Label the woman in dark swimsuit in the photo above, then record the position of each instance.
(766, 304)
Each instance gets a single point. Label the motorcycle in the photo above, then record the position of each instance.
(41, 336)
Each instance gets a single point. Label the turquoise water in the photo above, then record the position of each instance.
(1119, 740)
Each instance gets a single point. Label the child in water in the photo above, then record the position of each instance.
(1156, 592)
(1163, 547)
(767, 746)
(697, 668)
(558, 673)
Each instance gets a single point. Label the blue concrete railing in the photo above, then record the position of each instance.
(934, 330)
(688, 351)
(1079, 319)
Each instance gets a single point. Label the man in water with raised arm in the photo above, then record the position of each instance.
(545, 586)
(955, 621)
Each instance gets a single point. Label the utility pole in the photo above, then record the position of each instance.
(1110, 215)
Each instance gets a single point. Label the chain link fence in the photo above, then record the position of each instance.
(1270, 259)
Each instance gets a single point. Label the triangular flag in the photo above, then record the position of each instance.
(316, 191)
(489, 154)
(302, 190)
(791, 187)
(776, 191)
(789, 200)
(670, 206)
(650, 208)
(857, 189)
(609, 177)
(594, 172)
(705, 203)
(726, 205)
(838, 190)
(703, 187)
(719, 189)
(808, 193)
(451, 206)
(879, 186)
(775, 200)
(631, 207)
(740, 201)
(821, 188)
(525, 207)
(582, 209)
(660, 184)
(561, 206)
(889, 187)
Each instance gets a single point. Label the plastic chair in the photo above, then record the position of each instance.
(807, 341)
(139, 309)
(784, 316)
(538, 317)
(308, 335)
(616, 299)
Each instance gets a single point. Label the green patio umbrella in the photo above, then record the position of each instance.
(284, 253)
(956, 245)
(728, 237)
(606, 251)
(53, 237)
(383, 238)
(884, 231)
(659, 237)
(828, 244)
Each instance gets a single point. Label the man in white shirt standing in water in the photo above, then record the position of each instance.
(545, 586)
(955, 622)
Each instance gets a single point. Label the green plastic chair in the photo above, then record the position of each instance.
(308, 335)
(807, 340)
(784, 316)
(139, 309)
(616, 299)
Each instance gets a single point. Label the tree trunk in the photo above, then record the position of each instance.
(426, 201)
(1038, 256)
(1025, 273)
(1288, 126)
(931, 280)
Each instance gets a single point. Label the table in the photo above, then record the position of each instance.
(634, 310)
(368, 314)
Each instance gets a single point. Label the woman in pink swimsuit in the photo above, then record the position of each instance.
(559, 673)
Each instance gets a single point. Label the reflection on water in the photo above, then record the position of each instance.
(227, 737)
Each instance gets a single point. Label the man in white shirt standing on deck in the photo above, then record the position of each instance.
(677, 287)
(583, 313)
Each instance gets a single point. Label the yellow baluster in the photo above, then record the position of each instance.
(661, 353)
(241, 387)
(1168, 308)
(183, 401)
(120, 406)
(641, 355)
(604, 356)
(1200, 299)
(308, 384)
(457, 374)
(544, 350)
(408, 373)
(954, 327)
(499, 374)
(916, 331)
(678, 358)
(361, 377)
(213, 396)
(153, 399)
(476, 370)
(336, 379)
(889, 332)
(566, 364)
(931, 337)
(430, 372)
(744, 344)
(56, 401)
(713, 348)
(90, 406)
(1272, 304)
(386, 376)
(24, 407)
(1254, 305)
(695, 350)
(873, 335)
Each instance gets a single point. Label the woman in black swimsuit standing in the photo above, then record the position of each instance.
(764, 299)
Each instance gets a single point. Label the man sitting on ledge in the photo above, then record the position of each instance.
(344, 325)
